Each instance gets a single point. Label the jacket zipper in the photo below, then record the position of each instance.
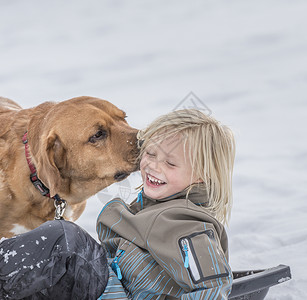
(189, 259)
(185, 249)
(115, 265)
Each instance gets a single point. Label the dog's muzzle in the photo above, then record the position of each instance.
(121, 176)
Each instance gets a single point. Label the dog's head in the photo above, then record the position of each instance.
(81, 145)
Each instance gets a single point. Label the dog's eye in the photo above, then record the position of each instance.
(99, 135)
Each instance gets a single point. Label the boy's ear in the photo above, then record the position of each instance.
(51, 159)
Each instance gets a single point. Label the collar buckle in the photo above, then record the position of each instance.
(39, 185)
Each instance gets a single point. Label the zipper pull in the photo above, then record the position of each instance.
(186, 250)
(117, 268)
(140, 198)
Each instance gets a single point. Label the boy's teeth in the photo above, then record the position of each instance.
(155, 180)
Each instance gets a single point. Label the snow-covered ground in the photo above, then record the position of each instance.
(245, 60)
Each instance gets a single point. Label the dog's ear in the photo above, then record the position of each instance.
(51, 160)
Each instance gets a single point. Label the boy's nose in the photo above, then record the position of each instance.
(155, 165)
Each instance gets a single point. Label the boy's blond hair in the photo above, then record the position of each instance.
(211, 149)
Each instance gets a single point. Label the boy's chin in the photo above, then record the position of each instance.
(155, 193)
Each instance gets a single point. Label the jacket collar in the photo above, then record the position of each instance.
(197, 193)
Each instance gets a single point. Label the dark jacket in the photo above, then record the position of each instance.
(57, 260)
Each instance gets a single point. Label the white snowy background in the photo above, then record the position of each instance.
(246, 61)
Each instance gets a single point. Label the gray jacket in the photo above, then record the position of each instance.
(167, 249)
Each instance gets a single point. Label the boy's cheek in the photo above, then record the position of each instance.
(142, 163)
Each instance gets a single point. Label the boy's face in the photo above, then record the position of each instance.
(165, 169)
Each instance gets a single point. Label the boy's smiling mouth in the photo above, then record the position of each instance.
(151, 180)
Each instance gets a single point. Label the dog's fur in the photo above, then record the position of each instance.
(78, 147)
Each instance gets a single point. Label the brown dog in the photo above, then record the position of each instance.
(78, 147)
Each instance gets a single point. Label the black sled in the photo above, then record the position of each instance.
(255, 284)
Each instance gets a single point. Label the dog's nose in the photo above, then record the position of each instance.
(120, 176)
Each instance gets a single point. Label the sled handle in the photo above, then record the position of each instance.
(257, 282)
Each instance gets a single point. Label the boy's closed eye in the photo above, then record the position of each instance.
(151, 154)
(170, 164)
